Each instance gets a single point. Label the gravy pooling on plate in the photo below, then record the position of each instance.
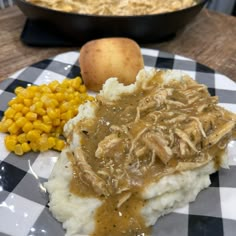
(158, 130)
(115, 7)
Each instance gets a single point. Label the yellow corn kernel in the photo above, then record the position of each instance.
(53, 113)
(12, 102)
(44, 98)
(38, 104)
(82, 88)
(31, 116)
(10, 142)
(25, 147)
(53, 85)
(65, 106)
(17, 107)
(62, 124)
(26, 93)
(60, 144)
(65, 83)
(84, 97)
(27, 127)
(51, 142)
(70, 90)
(21, 138)
(45, 88)
(17, 100)
(76, 83)
(59, 89)
(36, 98)
(40, 111)
(76, 97)
(33, 135)
(3, 129)
(47, 120)
(18, 90)
(37, 124)
(31, 92)
(56, 122)
(43, 145)
(27, 102)
(33, 88)
(34, 146)
(18, 150)
(58, 131)
(70, 96)
(18, 115)
(69, 114)
(5, 124)
(10, 112)
(13, 129)
(60, 97)
(32, 108)
(75, 112)
(52, 103)
(55, 133)
(79, 79)
(44, 127)
(64, 116)
(21, 121)
(25, 110)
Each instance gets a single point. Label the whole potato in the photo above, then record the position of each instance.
(109, 57)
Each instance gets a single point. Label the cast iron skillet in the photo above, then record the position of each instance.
(81, 27)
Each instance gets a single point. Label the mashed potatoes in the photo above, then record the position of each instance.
(157, 196)
(77, 214)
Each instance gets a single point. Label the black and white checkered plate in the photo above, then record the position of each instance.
(23, 199)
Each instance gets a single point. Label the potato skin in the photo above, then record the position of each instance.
(109, 57)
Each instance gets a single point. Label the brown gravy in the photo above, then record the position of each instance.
(139, 139)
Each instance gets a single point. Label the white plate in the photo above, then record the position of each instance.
(23, 199)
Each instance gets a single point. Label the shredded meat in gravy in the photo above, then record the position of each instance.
(140, 138)
(116, 7)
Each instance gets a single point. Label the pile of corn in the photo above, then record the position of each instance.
(35, 118)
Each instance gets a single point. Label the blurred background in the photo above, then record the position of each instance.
(224, 6)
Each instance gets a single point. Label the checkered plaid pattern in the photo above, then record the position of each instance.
(23, 199)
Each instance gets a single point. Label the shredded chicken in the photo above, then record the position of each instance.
(185, 138)
(109, 144)
(219, 133)
(159, 129)
(87, 174)
(156, 99)
(124, 198)
(159, 145)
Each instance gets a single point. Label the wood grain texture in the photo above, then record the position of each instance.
(209, 39)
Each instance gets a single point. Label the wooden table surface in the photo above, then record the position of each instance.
(209, 39)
